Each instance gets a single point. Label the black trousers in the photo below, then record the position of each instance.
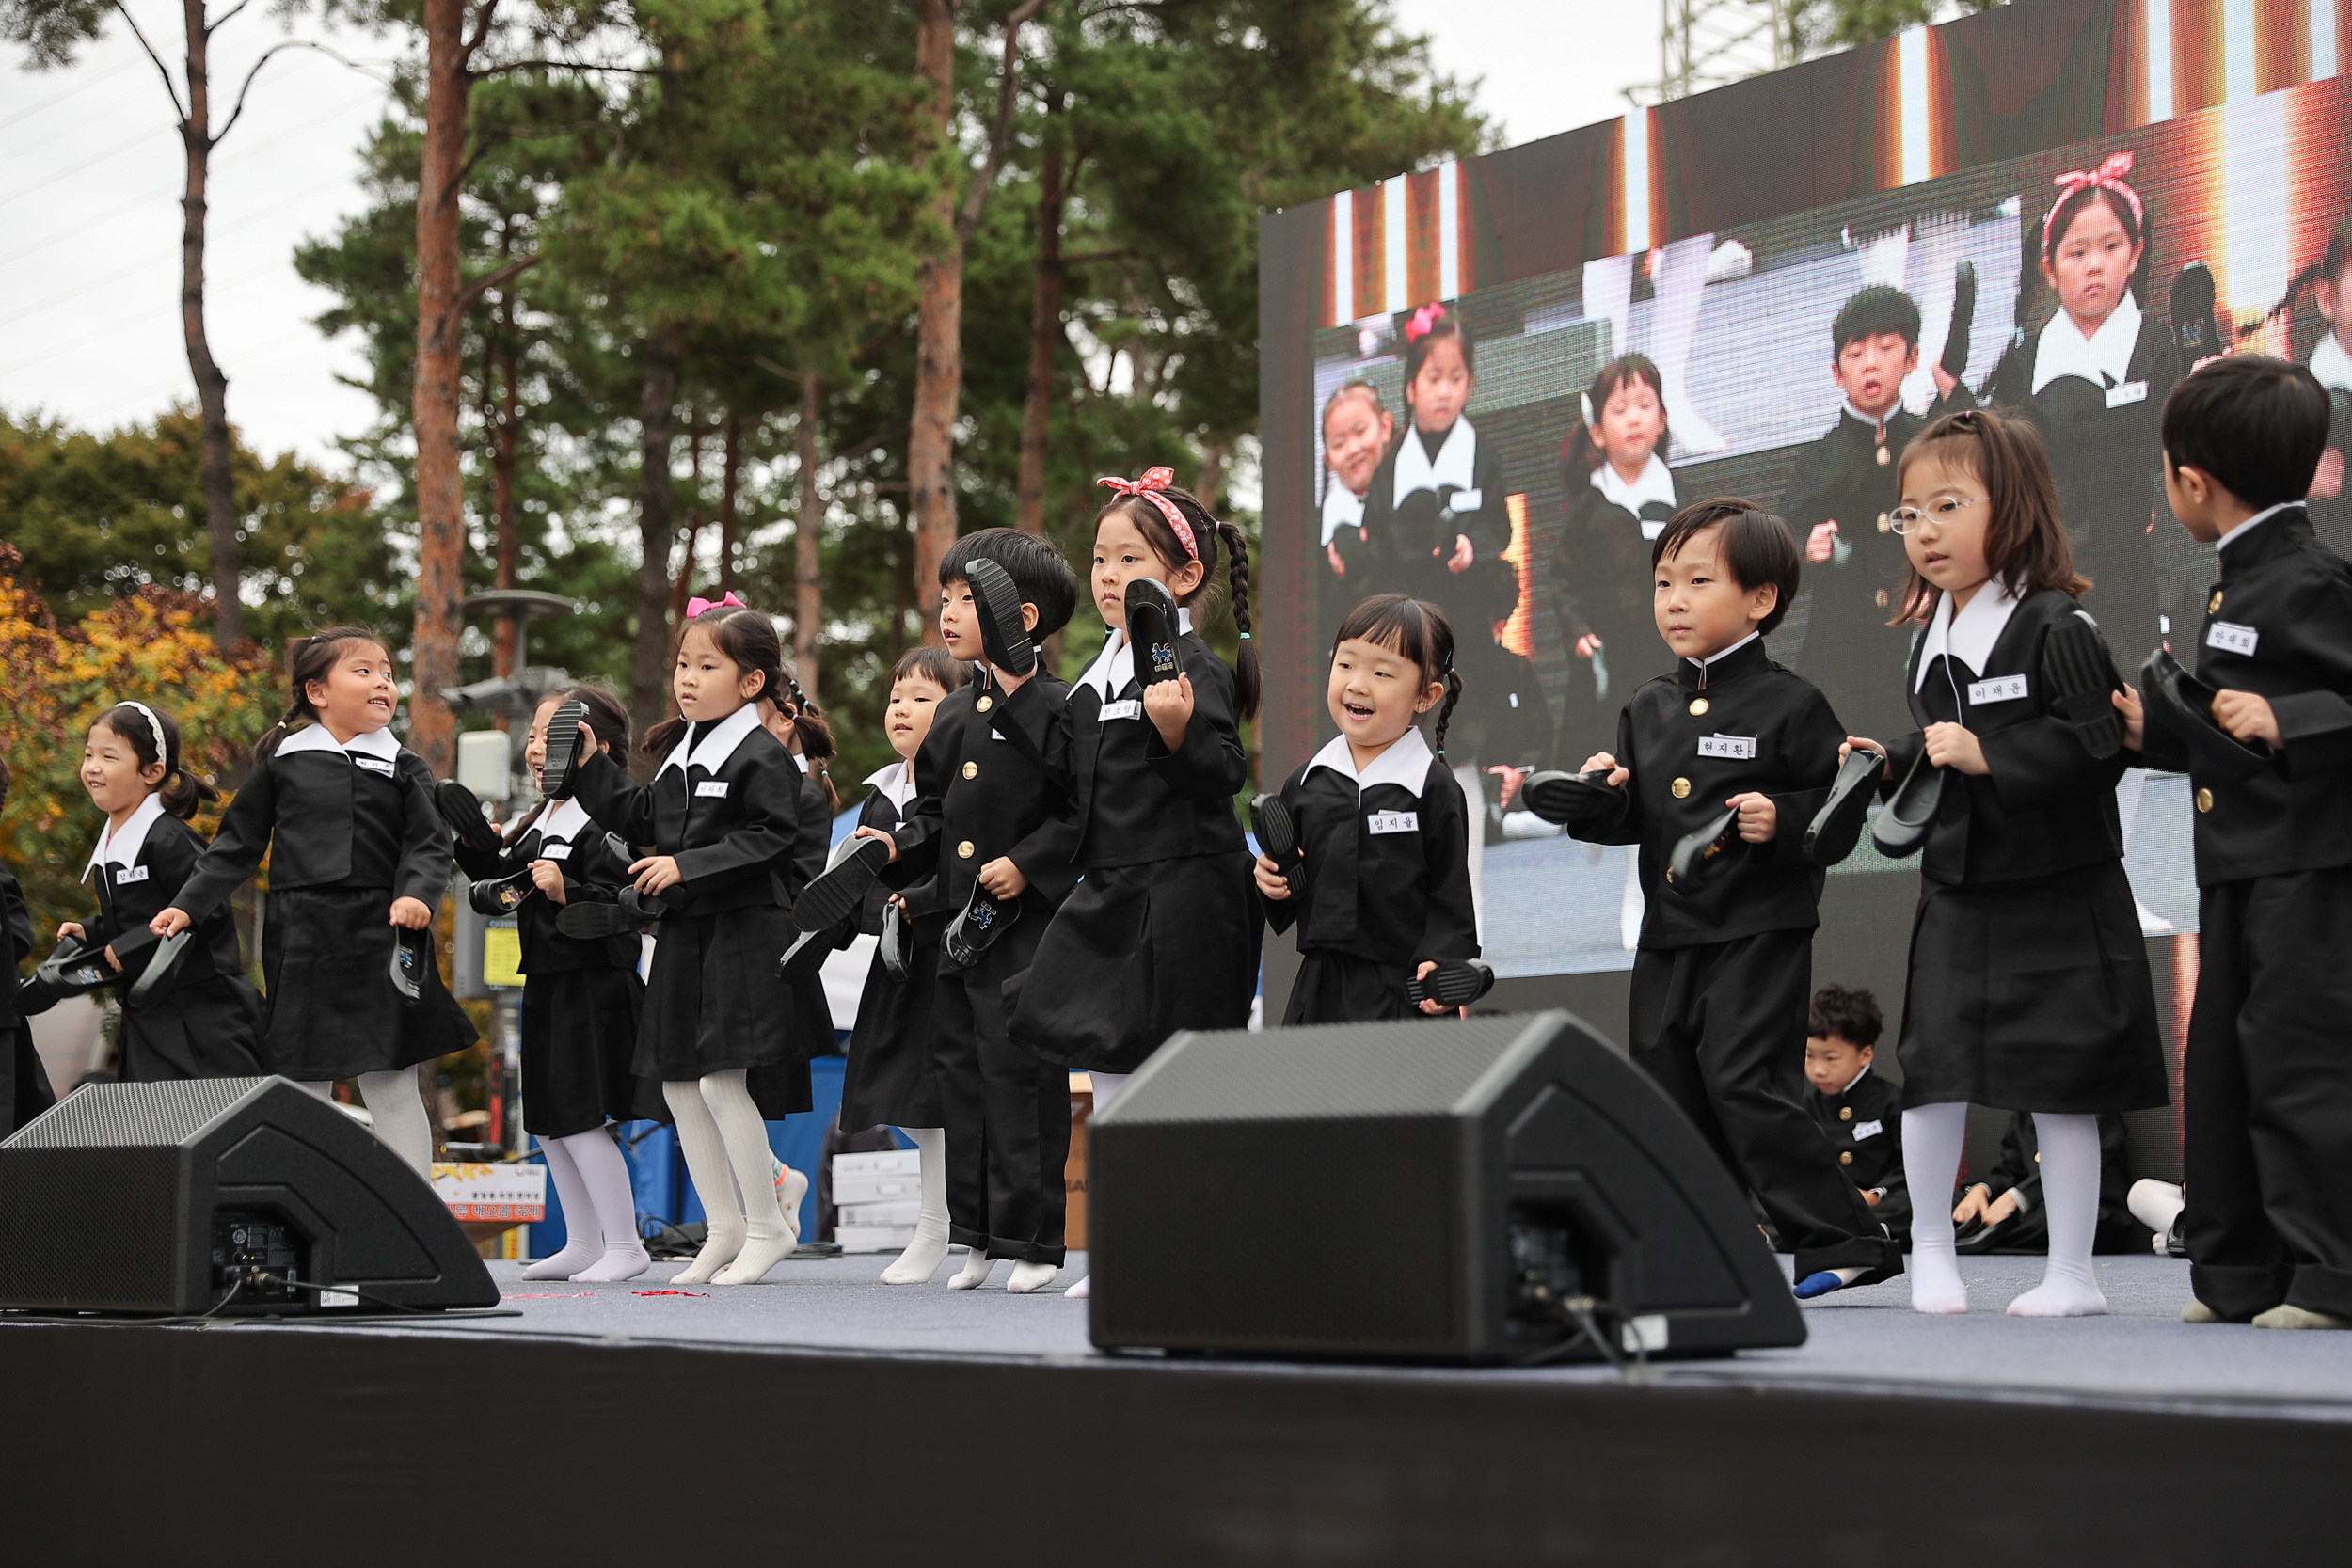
(1722, 1030)
(2267, 1086)
(1006, 1113)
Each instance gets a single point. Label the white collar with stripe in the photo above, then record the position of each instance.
(564, 822)
(1969, 636)
(1703, 663)
(120, 847)
(1341, 508)
(314, 737)
(1456, 463)
(1406, 763)
(896, 782)
(1655, 482)
(2253, 522)
(1115, 665)
(2331, 365)
(711, 751)
(2103, 359)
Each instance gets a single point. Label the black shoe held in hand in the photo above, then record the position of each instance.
(975, 928)
(1837, 828)
(564, 744)
(2180, 704)
(411, 952)
(1004, 635)
(1903, 826)
(1151, 631)
(1454, 985)
(1277, 839)
(835, 892)
(1702, 851)
(1570, 797)
(462, 811)
(158, 969)
(501, 896)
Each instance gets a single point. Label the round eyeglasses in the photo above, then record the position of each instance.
(1941, 510)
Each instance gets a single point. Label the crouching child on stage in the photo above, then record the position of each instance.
(2267, 1092)
(1857, 1109)
(1742, 751)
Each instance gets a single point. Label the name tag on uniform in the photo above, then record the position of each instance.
(126, 874)
(2000, 688)
(1126, 707)
(1739, 748)
(1394, 822)
(710, 786)
(2127, 392)
(1868, 1130)
(374, 765)
(1468, 500)
(2230, 638)
(555, 852)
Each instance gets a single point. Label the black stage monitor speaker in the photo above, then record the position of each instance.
(162, 1198)
(1441, 1189)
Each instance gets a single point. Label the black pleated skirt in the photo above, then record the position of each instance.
(332, 1010)
(2032, 996)
(1136, 954)
(579, 1039)
(713, 1004)
(204, 1029)
(890, 1079)
(1340, 988)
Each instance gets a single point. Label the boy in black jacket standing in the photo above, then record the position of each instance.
(2269, 1082)
(1742, 750)
(988, 820)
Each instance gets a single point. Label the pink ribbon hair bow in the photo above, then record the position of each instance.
(695, 606)
(1149, 487)
(2108, 176)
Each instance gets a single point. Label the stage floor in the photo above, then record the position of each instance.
(1864, 1341)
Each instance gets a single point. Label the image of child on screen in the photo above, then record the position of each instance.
(1838, 498)
(2330, 362)
(1619, 494)
(1436, 504)
(1356, 431)
(2093, 378)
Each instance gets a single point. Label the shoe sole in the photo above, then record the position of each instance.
(462, 811)
(159, 967)
(837, 892)
(555, 774)
(1152, 627)
(408, 961)
(1903, 825)
(804, 957)
(1562, 798)
(1003, 637)
(1455, 985)
(1836, 830)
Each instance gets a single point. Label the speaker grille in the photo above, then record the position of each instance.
(129, 1116)
(1321, 1072)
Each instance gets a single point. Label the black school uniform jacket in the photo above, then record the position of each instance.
(296, 807)
(135, 885)
(881, 811)
(1839, 478)
(1600, 578)
(2018, 1169)
(726, 804)
(24, 1091)
(978, 797)
(593, 873)
(1466, 477)
(1757, 726)
(2279, 623)
(1865, 1127)
(2048, 806)
(1387, 857)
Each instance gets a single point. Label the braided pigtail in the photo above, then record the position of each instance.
(1246, 680)
(814, 735)
(1445, 709)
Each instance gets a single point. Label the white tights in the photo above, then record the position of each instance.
(928, 1250)
(1933, 1136)
(724, 1140)
(600, 1208)
(396, 1105)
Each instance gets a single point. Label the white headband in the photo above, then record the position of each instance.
(162, 752)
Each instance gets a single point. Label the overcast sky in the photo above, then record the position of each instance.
(91, 176)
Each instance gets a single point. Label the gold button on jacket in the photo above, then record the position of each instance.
(970, 770)
(2204, 800)
(1845, 1113)
(964, 851)
(1681, 788)
(984, 703)
(1698, 705)
(1847, 1158)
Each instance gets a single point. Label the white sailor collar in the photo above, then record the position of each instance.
(718, 744)
(1341, 508)
(315, 738)
(120, 847)
(896, 782)
(1115, 665)
(800, 760)
(564, 822)
(1655, 482)
(2103, 359)
(1404, 764)
(1969, 636)
(1454, 465)
(2330, 365)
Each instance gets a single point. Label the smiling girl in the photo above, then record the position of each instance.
(2029, 988)
(359, 858)
(204, 1020)
(1436, 504)
(1385, 827)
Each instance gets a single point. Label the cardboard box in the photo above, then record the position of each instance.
(891, 1175)
(874, 1237)
(505, 1194)
(905, 1213)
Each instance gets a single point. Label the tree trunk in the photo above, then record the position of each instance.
(808, 597)
(730, 474)
(1212, 458)
(505, 433)
(1045, 331)
(939, 330)
(682, 585)
(440, 495)
(657, 531)
(211, 386)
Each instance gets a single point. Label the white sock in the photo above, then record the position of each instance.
(706, 1154)
(2156, 1205)
(604, 1174)
(766, 1237)
(581, 1245)
(1031, 1277)
(974, 1274)
(397, 1105)
(928, 1250)
(1107, 1087)
(2070, 1197)
(1933, 1136)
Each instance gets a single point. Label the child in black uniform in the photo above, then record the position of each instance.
(1385, 895)
(1723, 972)
(580, 997)
(1161, 933)
(2268, 1084)
(24, 1091)
(204, 1019)
(359, 859)
(989, 816)
(890, 1077)
(2029, 988)
(1858, 1110)
(721, 815)
(2009, 1210)
(1435, 503)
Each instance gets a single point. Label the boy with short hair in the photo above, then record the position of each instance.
(987, 817)
(1734, 746)
(2267, 1083)
(1859, 1112)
